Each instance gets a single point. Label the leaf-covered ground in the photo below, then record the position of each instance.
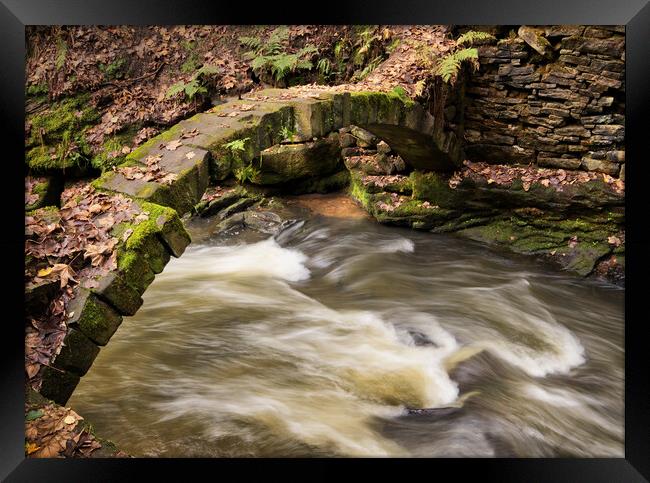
(53, 431)
(503, 174)
(129, 70)
(68, 247)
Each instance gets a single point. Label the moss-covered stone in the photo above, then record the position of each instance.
(145, 242)
(135, 270)
(58, 385)
(170, 228)
(93, 317)
(576, 244)
(115, 289)
(359, 192)
(48, 190)
(111, 153)
(190, 165)
(238, 206)
(211, 208)
(434, 188)
(584, 257)
(284, 163)
(77, 353)
(380, 183)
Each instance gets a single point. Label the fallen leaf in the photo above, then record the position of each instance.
(190, 134)
(173, 145)
(190, 155)
(614, 240)
(141, 217)
(32, 369)
(31, 448)
(34, 414)
(45, 272)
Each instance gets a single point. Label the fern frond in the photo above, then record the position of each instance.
(207, 70)
(236, 145)
(277, 37)
(473, 36)
(193, 88)
(302, 64)
(372, 65)
(282, 64)
(307, 50)
(252, 43)
(324, 66)
(246, 173)
(175, 89)
(450, 65)
(259, 62)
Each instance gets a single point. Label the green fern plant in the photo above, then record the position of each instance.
(367, 38)
(251, 43)
(243, 174)
(449, 66)
(238, 145)
(246, 173)
(472, 37)
(61, 52)
(275, 44)
(271, 56)
(190, 89)
(324, 66)
(371, 66)
(194, 86)
(287, 132)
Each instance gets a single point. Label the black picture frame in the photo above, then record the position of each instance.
(635, 14)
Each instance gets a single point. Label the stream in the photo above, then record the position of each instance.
(343, 337)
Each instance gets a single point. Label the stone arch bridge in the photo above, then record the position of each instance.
(268, 118)
(195, 151)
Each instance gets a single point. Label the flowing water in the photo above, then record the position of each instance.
(330, 338)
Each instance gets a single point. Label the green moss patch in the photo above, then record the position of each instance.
(434, 188)
(57, 136)
(94, 318)
(111, 153)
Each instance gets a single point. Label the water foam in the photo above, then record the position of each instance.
(262, 259)
(521, 331)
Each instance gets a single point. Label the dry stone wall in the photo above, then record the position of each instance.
(553, 96)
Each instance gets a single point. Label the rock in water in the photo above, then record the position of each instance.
(263, 221)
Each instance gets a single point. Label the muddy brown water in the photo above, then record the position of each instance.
(342, 337)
